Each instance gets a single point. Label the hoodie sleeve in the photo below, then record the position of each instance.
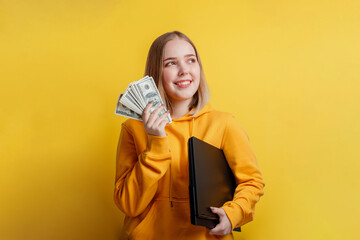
(137, 175)
(249, 180)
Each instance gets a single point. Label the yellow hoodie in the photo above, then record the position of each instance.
(152, 176)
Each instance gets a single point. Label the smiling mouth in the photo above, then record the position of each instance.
(183, 83)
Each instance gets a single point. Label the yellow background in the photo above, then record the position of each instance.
(288, 70)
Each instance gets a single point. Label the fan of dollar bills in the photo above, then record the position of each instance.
(137, 95)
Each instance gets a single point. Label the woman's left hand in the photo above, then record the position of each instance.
(224, 225)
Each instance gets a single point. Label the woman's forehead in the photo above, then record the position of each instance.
(178, 48)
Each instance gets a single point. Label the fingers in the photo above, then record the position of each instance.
(155, 115)
(153, 123)
(219, 226)
(146, 112)
(224, 225)
(217, 211)
(161, 120)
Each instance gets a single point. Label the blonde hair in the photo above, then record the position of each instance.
(154, 68)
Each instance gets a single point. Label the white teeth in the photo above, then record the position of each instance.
(183, 83)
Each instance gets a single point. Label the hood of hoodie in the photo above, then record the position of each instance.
(191, 118)
(207, 108)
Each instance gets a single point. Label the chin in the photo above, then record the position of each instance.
(182, 98)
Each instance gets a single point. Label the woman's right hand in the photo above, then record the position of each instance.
(155, 125)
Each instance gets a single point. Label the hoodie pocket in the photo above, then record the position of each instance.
(145, 227)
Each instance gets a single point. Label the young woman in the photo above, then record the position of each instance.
(152, 176)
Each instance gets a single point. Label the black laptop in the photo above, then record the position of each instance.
(211, 182)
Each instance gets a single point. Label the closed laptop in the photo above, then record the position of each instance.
(211, 182)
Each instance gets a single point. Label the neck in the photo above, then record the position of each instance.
(179, 108)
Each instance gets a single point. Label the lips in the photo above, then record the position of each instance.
(183, 83)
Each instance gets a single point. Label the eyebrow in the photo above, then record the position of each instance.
(187, 55)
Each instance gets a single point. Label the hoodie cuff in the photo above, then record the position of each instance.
(234, 214)
(157, 145)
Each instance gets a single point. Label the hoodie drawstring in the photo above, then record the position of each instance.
(192, 126)
(191, 133)
(170, 187)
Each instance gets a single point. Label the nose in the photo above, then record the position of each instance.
(183, 69)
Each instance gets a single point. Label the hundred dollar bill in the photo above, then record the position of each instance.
(148, 92)
(128, 100)
(126, 112)
(136, 96)
(136, 93)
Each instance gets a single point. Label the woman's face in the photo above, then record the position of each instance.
(181, 71)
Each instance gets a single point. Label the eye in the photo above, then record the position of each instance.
(169, 64)
(192, 60)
